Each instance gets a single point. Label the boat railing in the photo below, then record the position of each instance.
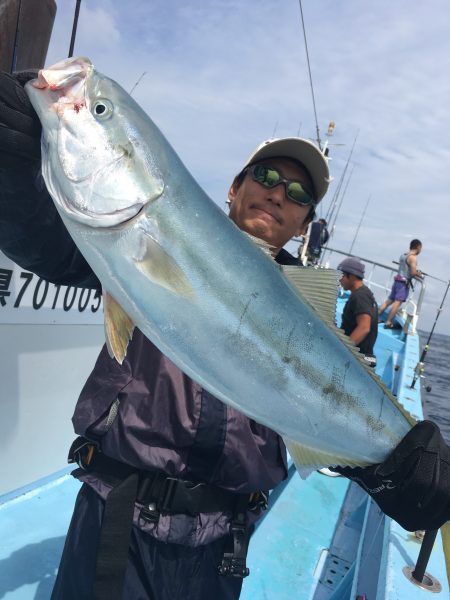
(379, 278)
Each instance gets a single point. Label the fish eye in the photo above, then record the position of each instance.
(102, 109)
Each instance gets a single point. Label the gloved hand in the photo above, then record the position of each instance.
(413, 484)
(20, 128)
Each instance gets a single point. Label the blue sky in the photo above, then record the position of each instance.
(223, 75)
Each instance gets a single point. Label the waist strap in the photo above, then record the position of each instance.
(158, 494)
(164, 494)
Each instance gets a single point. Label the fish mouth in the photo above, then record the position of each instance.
(79, 175)
(69, 74)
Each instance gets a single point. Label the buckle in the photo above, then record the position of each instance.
(235, 554)
(171, 496)
(81, 452)
(179, 496)
(235, 567)
(150, 513)
(258, 501)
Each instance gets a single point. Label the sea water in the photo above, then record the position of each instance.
(437, 375)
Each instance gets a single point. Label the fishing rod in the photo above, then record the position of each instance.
(16, 38)
(395, 262)
(359, 225)
(418, 371)
(332, 225)
(417, 574)
(137, 83)
(333, 202)
(74, 28)
(338, 190)
(343, 196)
(338, 199)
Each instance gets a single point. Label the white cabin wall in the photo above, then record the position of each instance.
(42, 371)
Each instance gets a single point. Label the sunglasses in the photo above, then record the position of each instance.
(270, 177)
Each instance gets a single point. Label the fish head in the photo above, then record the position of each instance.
(96, 165)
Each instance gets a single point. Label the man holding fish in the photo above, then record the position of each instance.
(174, 477)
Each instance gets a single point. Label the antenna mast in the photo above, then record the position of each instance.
(310, 76)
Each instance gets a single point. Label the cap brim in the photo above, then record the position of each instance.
(302, 150)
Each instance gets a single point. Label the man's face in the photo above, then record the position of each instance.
(345, 281)
(267, 213)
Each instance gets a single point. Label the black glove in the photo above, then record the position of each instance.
(413, 484)
(20, 128)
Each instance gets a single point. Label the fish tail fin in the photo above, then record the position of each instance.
(445, 534)
(308, 459)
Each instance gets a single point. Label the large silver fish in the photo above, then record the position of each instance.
(172, 263)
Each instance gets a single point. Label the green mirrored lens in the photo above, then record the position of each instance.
(265, 175)
(269, 177)
(272, 177)
(296, 192)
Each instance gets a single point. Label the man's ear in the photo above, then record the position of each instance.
(232, 191)
(303, 227)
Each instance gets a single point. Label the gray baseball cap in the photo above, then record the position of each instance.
(353, 266)
(304, 151)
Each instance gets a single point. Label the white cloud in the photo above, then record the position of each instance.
(221, 75)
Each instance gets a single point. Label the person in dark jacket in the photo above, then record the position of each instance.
(173, 479)
(318, 237)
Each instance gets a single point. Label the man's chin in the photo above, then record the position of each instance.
(260, 229)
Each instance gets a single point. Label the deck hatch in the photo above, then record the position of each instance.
(334, 570)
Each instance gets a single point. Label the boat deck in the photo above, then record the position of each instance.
(33, 526)
(325, 539)
(320, 539)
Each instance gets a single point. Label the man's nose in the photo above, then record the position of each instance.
(277, 194)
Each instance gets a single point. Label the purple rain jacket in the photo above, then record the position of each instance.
(145, 412)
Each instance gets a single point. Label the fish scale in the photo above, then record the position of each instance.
(260, 338)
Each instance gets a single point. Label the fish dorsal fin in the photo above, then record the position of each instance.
(161, 268)
(319, 288)
(118, 328)
(308, 459)
(263, 245)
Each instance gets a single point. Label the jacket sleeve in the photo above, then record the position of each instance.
(32, 233)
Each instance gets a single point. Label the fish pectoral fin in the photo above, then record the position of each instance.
(162, 269)
(307, 459)
(118, 328)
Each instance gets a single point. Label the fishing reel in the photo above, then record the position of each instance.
(419, 371)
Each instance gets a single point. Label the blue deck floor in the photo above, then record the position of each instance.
(284, 553)
(32, 531)
(285, 548)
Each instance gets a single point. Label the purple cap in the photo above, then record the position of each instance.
(353, 266)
